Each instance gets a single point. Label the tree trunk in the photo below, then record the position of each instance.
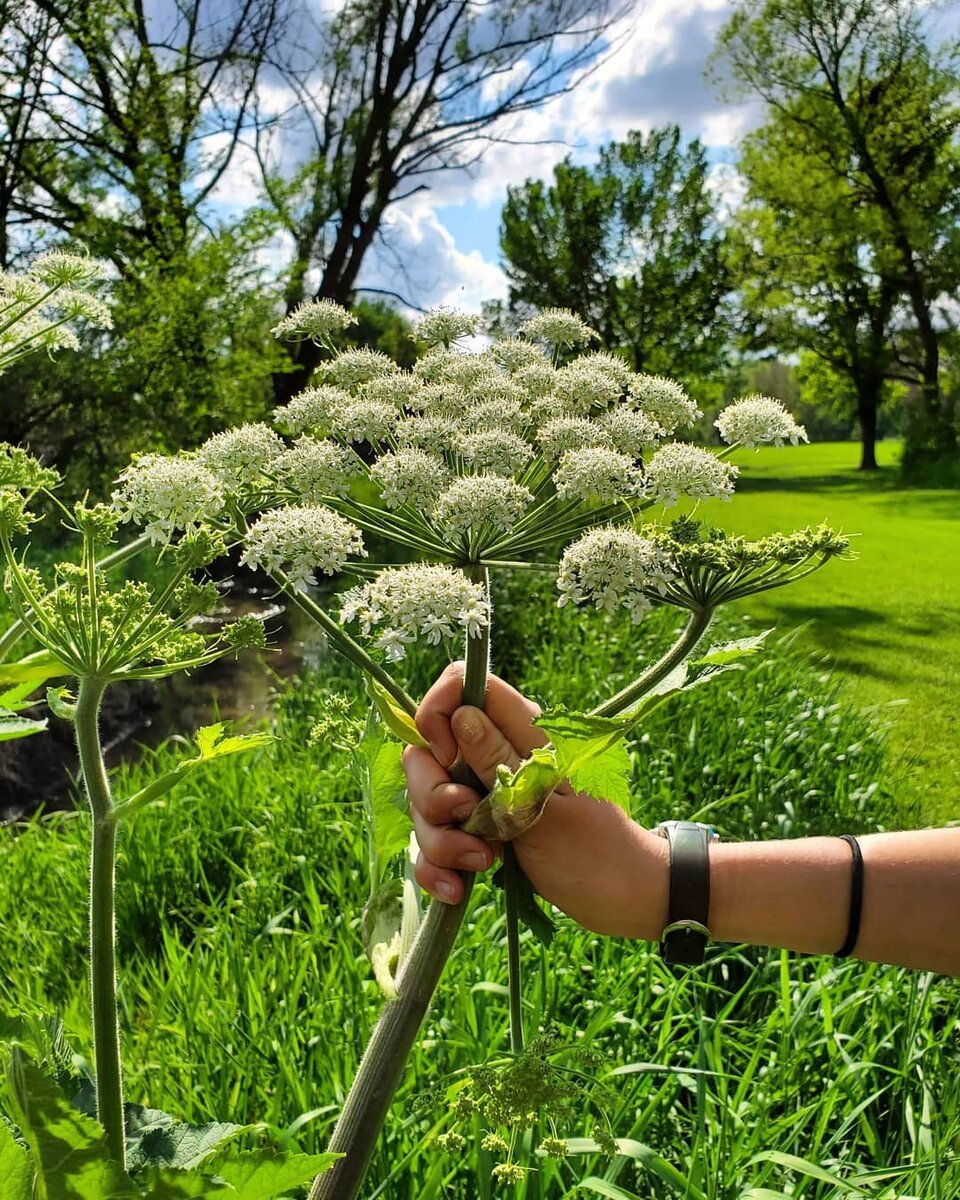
(867, 403)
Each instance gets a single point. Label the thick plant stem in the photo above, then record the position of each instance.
(511, 869)
(103, 971)
(381, 1067)
(694, 630)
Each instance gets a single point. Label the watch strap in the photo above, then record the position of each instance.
(686, 935)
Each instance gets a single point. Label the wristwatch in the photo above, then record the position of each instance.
(685, 937)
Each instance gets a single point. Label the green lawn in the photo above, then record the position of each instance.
(888, 620)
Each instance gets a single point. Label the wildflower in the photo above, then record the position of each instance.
(613, 567)
(754, 420)
(495, 450)
(165, 494)
(559, 327)
(631, 430)
(664, 400)
(18, 469)
(417, 600)
(480, 502)
(301, 539)
(353, 368)
(409, 476)
(679, 469)
(571, 433)
(585, 383)
(496, 412)
(57, 269)
(471, 371)
(358, 419)
(310, 409)
(513, 354)
(443, 326)
(596, 473)
(77, 306)
(427, 433)
(555, 1147)
(494, 1144)
(312, 469)
(314, 321)
(451, 1141)
(507, 1173)
(240, 456)
(401, 389)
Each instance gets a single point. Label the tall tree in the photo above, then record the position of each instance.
(809, 276)
(395, 93)
(876, 106)
(634, 245)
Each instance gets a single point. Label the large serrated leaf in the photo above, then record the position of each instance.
(155, 1138)
(718, 656)
(69, 1150)
(268, 1174)
(16, 1169)
(385, 786)
(167, 1184)
(590, 753)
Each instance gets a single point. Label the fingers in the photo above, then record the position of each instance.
(443, 885)
(506, 707)
(483, 745)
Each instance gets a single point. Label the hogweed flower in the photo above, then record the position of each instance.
(664, 400)
(427, 433)
(444, 326)
(679, 469)
(587, 383)
(409, 476)
(631, 430)
(312, 469)
(241, 456)
(614, 567)
(58, 269)
(571, 433)
(755, 420)
(559, 327)
(417, 600)
(300, 539)
(495, 450)
(310, 409)
(315, 321)
(166, 494)
(513, 354)
(478, 502)
(359, 419)
(597, 473)
(353, 368)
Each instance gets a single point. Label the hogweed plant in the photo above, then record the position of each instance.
(531, 455)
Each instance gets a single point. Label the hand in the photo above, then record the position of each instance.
(585, 856)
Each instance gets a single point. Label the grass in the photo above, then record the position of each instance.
(888, 621)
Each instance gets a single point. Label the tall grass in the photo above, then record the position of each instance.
(245, 993)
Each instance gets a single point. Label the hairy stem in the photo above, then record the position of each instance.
(393, 1036)
(693, 631)
(511, 871)
(103, 973)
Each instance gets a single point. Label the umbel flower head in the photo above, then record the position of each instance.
(596, 473)
(444, 326)
(679, 469)
(559, 327)
(409, 476)
(478, 502)
(241, 456)
(314, 321)
(614, 567)
(417, 600)
(300, 539)
(166, 494)
(755, 420)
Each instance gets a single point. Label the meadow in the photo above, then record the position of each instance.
(887, 621)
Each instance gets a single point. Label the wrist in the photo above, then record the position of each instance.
(651, 893)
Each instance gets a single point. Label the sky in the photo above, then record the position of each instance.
(441, 245)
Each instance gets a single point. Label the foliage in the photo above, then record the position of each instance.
(634, 244)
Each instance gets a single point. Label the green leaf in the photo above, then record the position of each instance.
(628, 1148)
(718, 656)
(516, 800)
(268, 1174)
(528, 907)
(16, 697)
(35, 668)
(386, 795)
(590, 753)
(13, 727)
(69, 1149)
(16, 1169)
(812, 1170)
(396, 719)
(156, 1139)
(601, 1187)
(167, 1184)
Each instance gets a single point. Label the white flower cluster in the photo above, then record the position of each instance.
(313, 469)
(754, 420)
(477, 502)
(495, 450)
(613, 567)
(241, 456)
(596, 473)
(631, 430)
(359, 419)
(571, 433)
(165, 494)
(58, 269)
(679, 469)
(435, 434)
(409, 476)
(353, 368)
(444, 326)
(513, 354)
(588, 382)
(309, 409)
(314, 321)
(301, 539)
(559, 327)
(664, 400)
(414, 601)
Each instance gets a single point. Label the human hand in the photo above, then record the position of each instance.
(585, 856)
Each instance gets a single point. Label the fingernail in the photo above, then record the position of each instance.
(474, 862)
(461, 812)
(445, 891)
(469, 729)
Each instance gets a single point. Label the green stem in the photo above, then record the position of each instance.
(511, 871)
(381, 1067)
(16, 631)
(103, 973)
(694, 630)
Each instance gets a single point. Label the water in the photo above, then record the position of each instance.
(42, 769)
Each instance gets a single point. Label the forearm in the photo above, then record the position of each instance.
(796, 895)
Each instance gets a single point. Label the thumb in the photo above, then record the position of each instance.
(483, 746)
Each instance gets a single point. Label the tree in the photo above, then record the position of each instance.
(876, 107)
(632, 244)
(810, 276)
(394, 94)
